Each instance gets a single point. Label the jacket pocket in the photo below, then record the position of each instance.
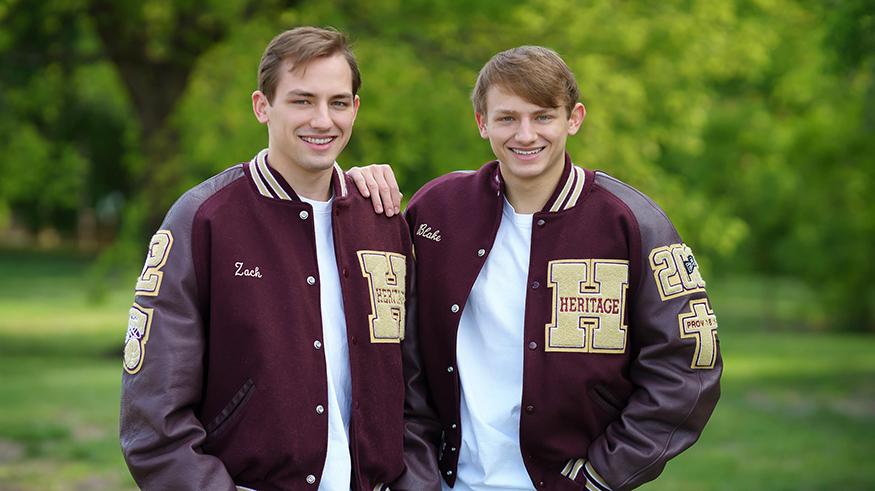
(231, 411)
(607, 400)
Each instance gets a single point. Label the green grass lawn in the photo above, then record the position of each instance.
(797, 412)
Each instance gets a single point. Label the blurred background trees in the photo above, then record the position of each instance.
(749, 121)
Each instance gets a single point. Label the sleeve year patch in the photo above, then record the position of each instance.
(700, 323)
(675, 271)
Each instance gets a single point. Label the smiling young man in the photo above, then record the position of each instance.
(266, 341)
(568, 342)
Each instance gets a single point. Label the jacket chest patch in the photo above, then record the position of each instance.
(588, 309)
(386, 273)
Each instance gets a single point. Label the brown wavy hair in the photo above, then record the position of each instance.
(300, 46)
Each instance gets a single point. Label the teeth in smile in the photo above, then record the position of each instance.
(526, 152)
(317, 141)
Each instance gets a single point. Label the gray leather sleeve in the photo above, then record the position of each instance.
(421, 427)
(159, 432)
(673, 400)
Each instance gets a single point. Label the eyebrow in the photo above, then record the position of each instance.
(304, 93)
(514, 113)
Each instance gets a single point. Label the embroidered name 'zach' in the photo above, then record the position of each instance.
(425, 231)
(241, 271)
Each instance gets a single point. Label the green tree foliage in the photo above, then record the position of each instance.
(749, 121)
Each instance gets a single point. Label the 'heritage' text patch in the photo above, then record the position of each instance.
(386, 273)
(589, 299)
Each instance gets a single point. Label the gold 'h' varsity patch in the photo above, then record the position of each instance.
(149, 281)
(589, 299)
(675, 271)
(139, 323)
(386, 273)
(700, 323)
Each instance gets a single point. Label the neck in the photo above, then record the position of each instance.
(315, 185)
(531, 195)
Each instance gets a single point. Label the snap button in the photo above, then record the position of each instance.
(530, 409)
(449, 473)
(450, 369)
(311, 479)
(541, 222)
(454, 308)
(311, 280)
(453, 426)
(535, 284)
(481, 252)
(320, 409)
(304, 214)
(533, 345)
(317, 344)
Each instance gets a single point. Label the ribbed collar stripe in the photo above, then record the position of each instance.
(261, 161)
(256, 177)
(269, 186)
(578, 187)
(573, 186)
(341, 179)
(569, 181)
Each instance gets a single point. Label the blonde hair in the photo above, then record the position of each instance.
(537, 74)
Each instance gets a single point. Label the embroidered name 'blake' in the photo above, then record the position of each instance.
(425, 231)
(241, 271)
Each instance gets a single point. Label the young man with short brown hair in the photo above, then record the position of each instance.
(568, 342)
(267, 337)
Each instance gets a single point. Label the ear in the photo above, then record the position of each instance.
(481, 125)
(259, 106)
(578, 114)
(356, 102)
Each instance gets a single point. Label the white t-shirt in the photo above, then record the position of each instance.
(338, 464)
(489, 355)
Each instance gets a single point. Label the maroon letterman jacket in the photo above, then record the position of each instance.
(622, 365)
(225, 379)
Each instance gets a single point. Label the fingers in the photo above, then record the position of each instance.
(395, 192)
(374, 190)
(384, 189)
(377, 181)
(359, 179)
